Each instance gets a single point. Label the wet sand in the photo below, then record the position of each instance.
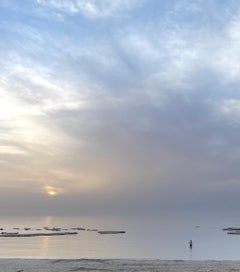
(61, 265)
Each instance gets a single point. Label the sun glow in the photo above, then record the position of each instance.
(52, 191)
(7, 108)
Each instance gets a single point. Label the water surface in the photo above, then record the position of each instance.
(148, 237)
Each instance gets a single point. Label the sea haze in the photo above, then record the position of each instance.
(149, 237)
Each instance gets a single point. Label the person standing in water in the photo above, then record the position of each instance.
(190, 244)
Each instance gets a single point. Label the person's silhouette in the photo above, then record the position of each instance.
(190, 244)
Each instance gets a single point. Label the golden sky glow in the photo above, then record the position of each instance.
(52, 191)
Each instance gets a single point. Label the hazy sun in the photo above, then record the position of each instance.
(51, 191)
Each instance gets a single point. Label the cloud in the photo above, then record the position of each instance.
(11, 150)
(92, 8)
(140, 114)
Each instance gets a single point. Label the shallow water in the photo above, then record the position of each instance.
(148, 237)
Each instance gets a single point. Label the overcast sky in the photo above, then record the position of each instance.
(119, 106)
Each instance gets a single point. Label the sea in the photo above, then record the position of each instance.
(146, 237)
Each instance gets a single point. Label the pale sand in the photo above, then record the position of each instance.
(34, 265)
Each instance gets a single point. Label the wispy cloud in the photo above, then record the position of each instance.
(11, 150)
(92, 8)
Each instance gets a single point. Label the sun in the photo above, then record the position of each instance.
(51, 191)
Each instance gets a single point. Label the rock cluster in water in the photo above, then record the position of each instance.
(232, 230)
(12, 234)
(51, 231)
(29, 232)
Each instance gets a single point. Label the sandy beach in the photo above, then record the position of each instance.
(61, 265)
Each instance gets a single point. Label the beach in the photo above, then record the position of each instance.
(65, 265)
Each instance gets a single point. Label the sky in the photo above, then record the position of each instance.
(119, 107)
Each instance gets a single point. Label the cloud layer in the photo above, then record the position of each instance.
(128, 106)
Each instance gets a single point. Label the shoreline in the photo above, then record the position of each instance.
(64, 265)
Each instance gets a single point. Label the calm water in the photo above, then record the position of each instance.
(146, 237)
